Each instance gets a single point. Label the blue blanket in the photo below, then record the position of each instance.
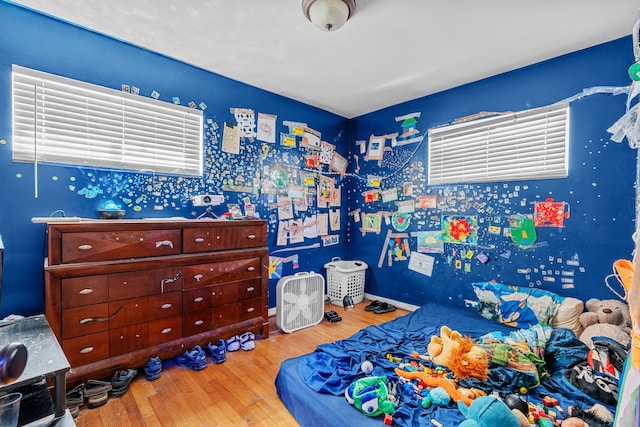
(312, 386)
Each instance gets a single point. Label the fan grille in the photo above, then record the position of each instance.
(299, 301)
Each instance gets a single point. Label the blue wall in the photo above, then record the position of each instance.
(572, 260)
(40, 42)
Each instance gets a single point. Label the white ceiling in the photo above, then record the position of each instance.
(390, 51)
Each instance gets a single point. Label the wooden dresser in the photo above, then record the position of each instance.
(121, 291)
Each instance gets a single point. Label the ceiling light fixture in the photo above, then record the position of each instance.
(328, 15)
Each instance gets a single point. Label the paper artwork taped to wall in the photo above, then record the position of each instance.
(430, 242)
(288, 140)
(390, 195)
(246, 120)
(335, 197)
(295, 230)
(322, 224)
(427, 201)
(523, 231)
(371, 196)
(338, 164)
(312, 161)
(374, 181)
(231, 138)
(275, 267)
(460, 229)
(550, 213)
(334, 219)
(406, 206)
(285, 210)
(326, 152)
(375, 150)
(331, 240)
(371, 223)
(398, 249)
(407, 189)
(310, 226)
(326, 187)
(310, 139)
(267, 128)
(409, 135)
(279, 177)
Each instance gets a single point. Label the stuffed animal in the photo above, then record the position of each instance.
(488, 411)
(608, 318)
(430, 381)
(458, 353)
(596, 416)
(371, 396)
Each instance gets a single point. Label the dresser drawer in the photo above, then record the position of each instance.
(79, 291)
(113, 245)
(165, 330)
(86, 349)
(196, 299)
(249, 289)
(221, 272)
(224, 294)
(165, 305)
(131, 285)
(250, 309)
(128, 339)
(225, 315)
(196, 322)
(214, 238)
(85, 320)
(128, 312)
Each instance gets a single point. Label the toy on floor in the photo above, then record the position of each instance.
(430, 381)
(458, 353)
(371, 396)
(596, 416)
(488, 411)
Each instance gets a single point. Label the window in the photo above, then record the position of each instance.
(531, 144)
(60, 120)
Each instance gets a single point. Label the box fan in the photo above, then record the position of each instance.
(299, 301)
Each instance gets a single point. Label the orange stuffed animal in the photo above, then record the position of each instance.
(464, 358)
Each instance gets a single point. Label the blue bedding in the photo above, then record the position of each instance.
(312, 386)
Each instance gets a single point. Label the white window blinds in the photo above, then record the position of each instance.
(531, 144)
(60, 120)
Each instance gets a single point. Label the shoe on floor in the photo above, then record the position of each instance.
(384, 308)
(95, 387)
(233, 343)
(247, 341)
(153, 368)
(373, 305)
(194, 359)
(97, 400)
(120, 382)
(217, 351)
(74, 399)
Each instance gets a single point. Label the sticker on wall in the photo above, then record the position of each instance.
(409, 135)
(523, 231)
(460, 229)
(267, 128)
(430, 242)
(550, 213)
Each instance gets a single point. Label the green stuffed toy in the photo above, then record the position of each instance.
(371, 396)
(487, 411)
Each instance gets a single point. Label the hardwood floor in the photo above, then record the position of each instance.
(239, 391)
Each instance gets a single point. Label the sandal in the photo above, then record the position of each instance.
(384, 308)
(247, 341)
(373, 305)
(95, 387)
(233, 343)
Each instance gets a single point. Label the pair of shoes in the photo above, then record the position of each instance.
(96, 393)
(74, 399)
(233, 343)
(194, 359)
(373, 305)
(153, 368)
(217, 351)
(384, 308)
(247, 341)
(120, 382)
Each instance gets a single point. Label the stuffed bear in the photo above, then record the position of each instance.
(608, 318)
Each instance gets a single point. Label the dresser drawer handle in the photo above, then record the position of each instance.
(85, 291)
(100, 319)
(198, 322)
(86, 350)
(250, 309)
(164, 243)
(199, 299)
(169, 280)
(251, 269)
(85, 247)
(251, 289)
(165, 306)
(165, 331)
(198, 277)
(199, 239)
(251, 236)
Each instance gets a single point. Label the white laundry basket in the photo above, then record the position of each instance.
(345, 278)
